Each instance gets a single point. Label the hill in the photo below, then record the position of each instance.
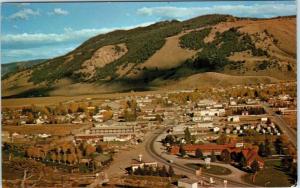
(167, 53)
(11, 68)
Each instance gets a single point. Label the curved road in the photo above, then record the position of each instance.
(186, 170)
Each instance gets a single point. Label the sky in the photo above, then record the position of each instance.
(46, 30)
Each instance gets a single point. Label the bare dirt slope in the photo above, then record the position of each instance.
(170, 55)
(283, 29)
(278, 36)
(102, 57)
(17, 83)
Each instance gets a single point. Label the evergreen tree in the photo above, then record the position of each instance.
(169, 139)
(171, 172)
(99, 149)
(198, 153)
(213, 156)
(163, 172)
(138, 171)
(225, 156)
(151, 171)
(269, 147)
(293, 171)
(243, 162)
(255, 168)
(187, 136)
(182, 151)
(279, 146)
(262, 149)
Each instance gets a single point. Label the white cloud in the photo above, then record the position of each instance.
(69, 35)
(31, 52)
(256, 10)
(24, 14)
(22, 4)
(59, 11)
(19, 47)
(12, 55)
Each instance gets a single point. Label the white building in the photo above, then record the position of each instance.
(216, 129)
(98, 118)
(233, 118)
(264, 119)
(187, 183)
(142, 165)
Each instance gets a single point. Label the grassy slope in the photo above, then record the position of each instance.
(11, 68)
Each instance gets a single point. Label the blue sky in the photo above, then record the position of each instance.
(45, 30)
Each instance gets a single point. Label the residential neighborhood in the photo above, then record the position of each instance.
(194, 140)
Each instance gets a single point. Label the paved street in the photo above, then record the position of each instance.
(155, 148)
(286, 129)
(124, 158)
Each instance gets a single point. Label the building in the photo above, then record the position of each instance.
(108, 133)
(233, 118)
(187, 183)
(251, 155)
(143, 165)
(206, 149)
(5, 136)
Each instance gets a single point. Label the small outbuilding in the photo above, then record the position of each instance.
(187, 183)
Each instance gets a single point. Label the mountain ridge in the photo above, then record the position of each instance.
(168, 51)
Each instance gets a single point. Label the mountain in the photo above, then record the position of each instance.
(14, 67)
(165, 54)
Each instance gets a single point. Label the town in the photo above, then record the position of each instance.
(237, 136)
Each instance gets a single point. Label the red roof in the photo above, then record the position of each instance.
(251, 155)
(210, 147)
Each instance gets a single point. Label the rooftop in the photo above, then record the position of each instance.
(187, 180)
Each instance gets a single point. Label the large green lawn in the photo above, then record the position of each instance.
(214, 169)
(271, 176)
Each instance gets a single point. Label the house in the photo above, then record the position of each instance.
(233, 103)
(77, 121)
(17, 135)
(5, 136)
(245, 113)
(44, 135)
(143, 165)
(188, 183)
(39, 121)
(98, 118)
(216, 129)
(233, 118)
(264, 119)
(250, 155)
(202, 118)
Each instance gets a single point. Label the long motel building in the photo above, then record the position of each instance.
(109, 133)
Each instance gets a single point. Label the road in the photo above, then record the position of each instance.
(124, 158)
(285, 128)
(151, 147)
